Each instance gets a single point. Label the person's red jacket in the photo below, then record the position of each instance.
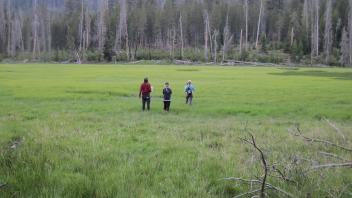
(145, 89)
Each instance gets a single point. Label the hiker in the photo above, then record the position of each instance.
(167, 92)
(144, 93)
(189, 90)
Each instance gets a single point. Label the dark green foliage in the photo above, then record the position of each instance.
(296, 51)
(264, 43)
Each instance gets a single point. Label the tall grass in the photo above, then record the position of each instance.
(77, 131)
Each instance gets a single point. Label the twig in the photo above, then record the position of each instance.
(321, 141)
(243, 180)
(247, 193)
(347, 164)
(332, 125)
(280, 190)
(262, 192)
(331, 155)
(283, 176)
(267, 185)
(252, 142)
(343, 190)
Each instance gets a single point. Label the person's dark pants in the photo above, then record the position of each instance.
(167, 105)
(146, 100)
(189, 99)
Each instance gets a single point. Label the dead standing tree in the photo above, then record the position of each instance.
(16, 39)
(227, 39)
(2, 24)
(315, 6)
(101, 23)
(181, 35)
(84, 30)
(206, 34)
(328, 37)
(35, 30)
(121, 41)
(215, 47)
(350, 31)
(345, 50)
(87, 29)
(259, 22)
(246, 7)
(81, 27)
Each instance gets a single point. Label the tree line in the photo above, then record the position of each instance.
(308, 31)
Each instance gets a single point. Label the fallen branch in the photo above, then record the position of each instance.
(321, 141)
(183, 62)
(242, 180)
(332, 125)
(283, 176)
(280, 190)
(136, 62)
(267, 185)
(347, 164)
(332, 155)
(247, 193)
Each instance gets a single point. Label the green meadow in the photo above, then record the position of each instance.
(78, 130)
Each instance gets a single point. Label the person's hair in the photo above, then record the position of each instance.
(145, 80)
(166, 83)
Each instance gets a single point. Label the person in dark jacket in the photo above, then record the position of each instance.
(144, 93)
(167, 92)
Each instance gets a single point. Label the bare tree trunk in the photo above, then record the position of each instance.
(2, 23)
(306, 14)
(241, 42)
(292, 36)
(345, 49)
(181, 36)
(206, 35)
(259, 22)
(350, 31)
(87, 30)
(246, 15)
(102, 29)
(170, 37)
(315, 30)
(48, 30)
(215, 39)
(80, 28)
(328, 31)
(35, 27)
(122, 30)
(317, 26)
(9, 27)
(210, 39)
(173, 42)
(16, 38)
(227, 39)
(306, 17)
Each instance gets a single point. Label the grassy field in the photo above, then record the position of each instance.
(78, 130)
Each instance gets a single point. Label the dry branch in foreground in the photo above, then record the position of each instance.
(347, 164)
(320, 141)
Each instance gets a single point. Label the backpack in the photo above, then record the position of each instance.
(188, 89)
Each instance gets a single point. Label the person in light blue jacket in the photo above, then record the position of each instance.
(189, 92)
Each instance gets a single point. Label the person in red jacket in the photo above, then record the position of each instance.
(144, 93)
